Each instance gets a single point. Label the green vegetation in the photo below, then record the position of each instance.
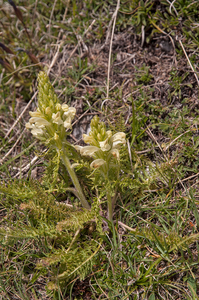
(131, 69)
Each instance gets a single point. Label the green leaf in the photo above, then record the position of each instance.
(191, 282)
(152, 296)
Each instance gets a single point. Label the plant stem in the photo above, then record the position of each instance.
(75, 180)
(113, 200)
(110, 207)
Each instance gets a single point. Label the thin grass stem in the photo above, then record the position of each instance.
(110, 207)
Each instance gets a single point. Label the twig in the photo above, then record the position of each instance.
(108, 33)
(60, 32)
(51, 15)
(126, 227)
(19, 138)
(55, 57)
(66, 10)
(171, 5)
(143, 35)
(110, 50)
(129, 151)
(148, 131)
(58, 48)
(189, 62)
(190, 177)
(157, 27)
(154, 139)
(64, 204)
(103, 292)
(27, 167)
(78, 42)
(176, 139)
(65, 273)
(19, 118)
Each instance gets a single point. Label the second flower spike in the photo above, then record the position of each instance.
(103, 145)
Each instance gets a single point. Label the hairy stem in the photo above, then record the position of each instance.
(75, 180)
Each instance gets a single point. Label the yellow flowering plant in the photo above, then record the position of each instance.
(104, 149)
(49, 124)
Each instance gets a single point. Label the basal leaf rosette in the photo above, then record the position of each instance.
(51, 119)
(104, 146)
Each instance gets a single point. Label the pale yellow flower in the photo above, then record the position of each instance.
(29, 126)
(115, 153)
(89, 150)
(36, 131)
(77, 147)
(39, 122)
(97, 163)
(104, 145)
(67, 124)
(57, 118)
(118, 138)
(70, 112)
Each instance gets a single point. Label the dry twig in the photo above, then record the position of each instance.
(111, 42)
(20, 116)
(189, 62)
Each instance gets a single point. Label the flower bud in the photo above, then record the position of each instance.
(58, 141)
(58, 107)
(95, 121)
(48, 111)
(87, 139)
(99, 137)
(65, 107)
(103, 132)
